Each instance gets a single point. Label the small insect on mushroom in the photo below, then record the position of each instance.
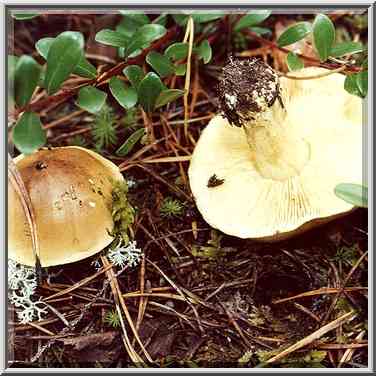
(72, 221)
(214, 181)
(282, 145)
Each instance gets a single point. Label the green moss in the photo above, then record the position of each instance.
(122, 212)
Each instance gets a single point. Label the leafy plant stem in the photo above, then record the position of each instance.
(101, 80)
(306, 58)
(188, 37)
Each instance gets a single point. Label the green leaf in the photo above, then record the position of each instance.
(346, 48)
(130, 142)
(91, 99)
(293, 62)
(135, 74)
(126, 96)
(43, 46)
(83, 68)
(63, 56)
(205, 51)
(24, 16)
(351, 85)
(28, 133)
(354, 194)
(161, 20)
(26, 79)
(324, 35)
(160, 63)
(181, 69)
(148, 91)
(251, 19)
(167, 96)
(294, 33)
(131, 22)
(261, 30)
(357, 84)
(144, 36)
(207, 17)
(362, 82)
(12, 63)
(180, 19)
(177, 51)
(138, 17)
(111, 38)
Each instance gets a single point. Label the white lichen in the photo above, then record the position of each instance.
(231, 100)
(131, 183)
(125, 256)
(22, 284)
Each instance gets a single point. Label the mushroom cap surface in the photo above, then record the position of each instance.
(70, 189)
(248, 205)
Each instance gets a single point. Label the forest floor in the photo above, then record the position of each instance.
(198, 298)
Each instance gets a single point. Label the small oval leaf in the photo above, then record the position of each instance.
(12, 64)
(135, 74)
(177, 51)
(91, 99)
(181, 69)
(148, 91)
(160, 63)
(43, 46)
(167, 96)
(28, 133)
(26, 79)
(24, 16)
(261, 30)
(83, 68)
(126, 96)
(354, 194)
(294, 33)
(351, 85)
(346, 48)
(200, 17)
(324, 35)
(145, 35)
(252, 19)
(130, 142)
(63, 56)
(205, 51)
(362, 82)
(111, 38)
(293, 62)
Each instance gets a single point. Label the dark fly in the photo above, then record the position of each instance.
(214, 181)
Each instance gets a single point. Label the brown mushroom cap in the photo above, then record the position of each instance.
(276, 176)
(70, 189)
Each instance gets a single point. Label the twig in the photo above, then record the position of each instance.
(312, 337)
(350, 351)
(190, 33)
(322, 291)
(341, 290)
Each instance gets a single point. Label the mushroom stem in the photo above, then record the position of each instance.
(277, 153)
(252, 96)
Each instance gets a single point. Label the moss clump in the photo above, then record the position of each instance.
(122, 212)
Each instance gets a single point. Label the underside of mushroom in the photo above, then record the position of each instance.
(279, 161)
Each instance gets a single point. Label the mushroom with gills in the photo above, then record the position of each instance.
(267, 166)
(70, 190)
